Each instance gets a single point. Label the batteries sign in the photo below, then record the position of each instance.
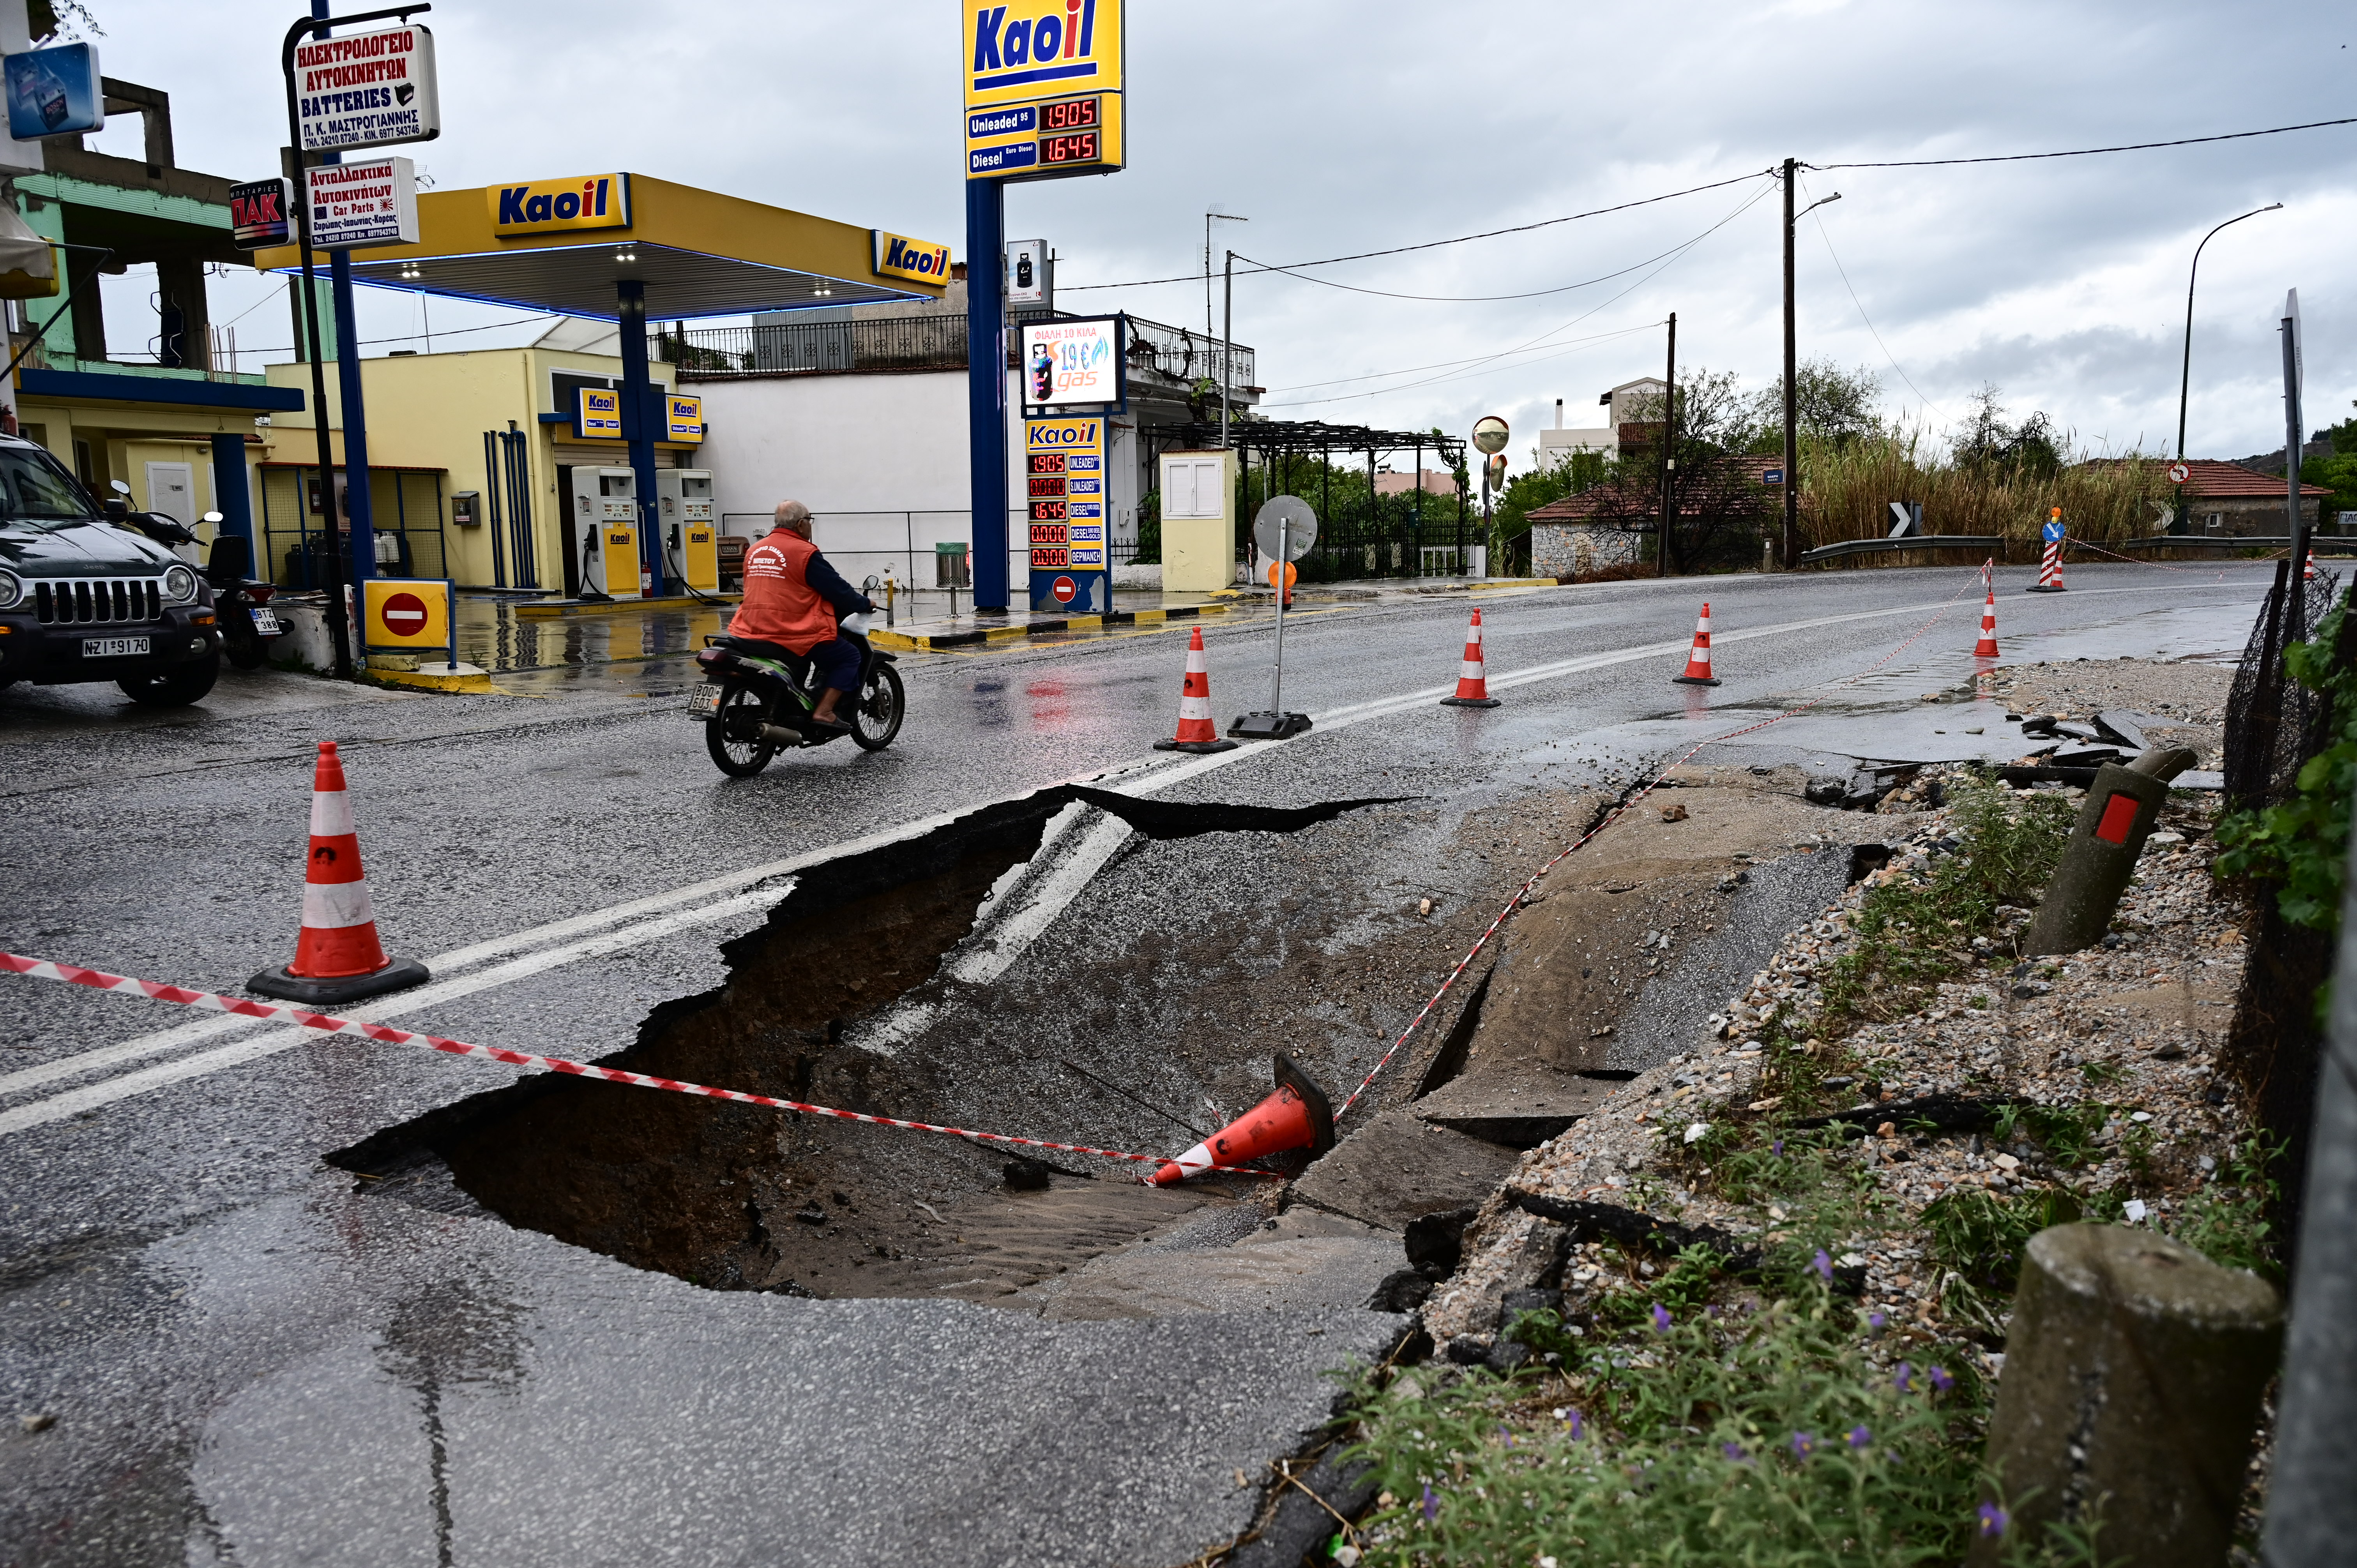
(1070, 363)
(1043, 89)
(370, 202)
(367, 90)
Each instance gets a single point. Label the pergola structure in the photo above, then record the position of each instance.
(1281, 444)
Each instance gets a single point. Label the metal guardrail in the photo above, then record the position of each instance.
(1991, 544)
(2322, 544)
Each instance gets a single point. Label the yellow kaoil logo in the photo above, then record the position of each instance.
(919, 260)
(556, 206)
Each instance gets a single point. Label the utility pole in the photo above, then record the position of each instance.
(1210, 219)
(2295, 437)
(1792, 548)
(1227, 342)
(1669, 450)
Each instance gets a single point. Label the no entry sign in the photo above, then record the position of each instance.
(410, 612)
(1064, 588)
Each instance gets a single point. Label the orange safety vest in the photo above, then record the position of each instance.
(780, 605)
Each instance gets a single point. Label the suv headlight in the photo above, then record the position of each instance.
(179, 585)
(11, 591)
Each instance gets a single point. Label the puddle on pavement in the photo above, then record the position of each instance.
(737, 1197)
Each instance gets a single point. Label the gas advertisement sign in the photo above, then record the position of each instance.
(1074, 363)
(1043, 89)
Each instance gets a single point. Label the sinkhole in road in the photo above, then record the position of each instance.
(737, 1197)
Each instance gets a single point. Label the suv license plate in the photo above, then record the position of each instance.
(112, 647)
(703, 702)
(265, 623)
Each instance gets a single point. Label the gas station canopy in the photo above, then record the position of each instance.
(569, 244)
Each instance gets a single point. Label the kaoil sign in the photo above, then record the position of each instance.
(920, 261)
(686, 417)
(599, 416)
(1043, 88)
(558, 206)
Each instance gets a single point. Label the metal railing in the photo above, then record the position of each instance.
(935, 342)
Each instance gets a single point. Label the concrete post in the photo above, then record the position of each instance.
(2121, 809)
(2133, 1376)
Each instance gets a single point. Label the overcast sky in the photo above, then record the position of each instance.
(1344, 127)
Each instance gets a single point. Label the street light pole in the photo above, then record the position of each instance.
(2185, 377)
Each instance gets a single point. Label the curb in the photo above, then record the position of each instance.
(940, 641)
(477, 684)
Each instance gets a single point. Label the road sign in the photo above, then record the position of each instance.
(2051, 531)
(404, 615)
(367, 90)
(2178, 473)
(1299, 527)
(1490, 433)
(1063, 588)
(1771, 476)
(407, 613)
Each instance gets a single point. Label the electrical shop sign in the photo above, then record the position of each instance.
(1074, 364)
(1043, 89)
(358, 205)
(918, 260)
(367, 90)
(559, 206)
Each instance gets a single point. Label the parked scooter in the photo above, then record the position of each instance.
(241, 604)
(757, 699)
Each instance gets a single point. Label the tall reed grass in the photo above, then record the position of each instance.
(1846, 491)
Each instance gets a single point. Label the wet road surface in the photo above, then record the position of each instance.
(248, 1360)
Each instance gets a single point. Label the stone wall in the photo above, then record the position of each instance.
(1568, 549)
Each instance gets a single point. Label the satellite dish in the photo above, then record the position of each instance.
(1299, 522)
(1490, 433)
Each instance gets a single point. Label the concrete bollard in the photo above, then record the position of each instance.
(2133, 1376)
(2122, 806)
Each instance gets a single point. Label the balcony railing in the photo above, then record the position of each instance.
(913, 343)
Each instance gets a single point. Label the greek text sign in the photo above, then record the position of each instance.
(368, 90)
(1072, 364)
(370, 202)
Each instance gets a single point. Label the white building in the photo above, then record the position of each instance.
(1623, 405)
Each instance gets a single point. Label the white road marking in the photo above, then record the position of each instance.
(17, 1118)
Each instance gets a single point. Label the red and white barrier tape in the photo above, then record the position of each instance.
(1614, 815)
(2219, 572)
(328, 1024)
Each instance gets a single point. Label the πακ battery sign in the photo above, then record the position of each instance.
(368, 90)
(259, 214)
(1043, 88)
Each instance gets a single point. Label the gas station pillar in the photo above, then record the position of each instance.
(639, 428)
(986, 372)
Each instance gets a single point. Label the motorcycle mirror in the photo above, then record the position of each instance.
(211, 516)
(873, 582)
(118, 486)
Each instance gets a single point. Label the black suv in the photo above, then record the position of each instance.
(82, 597)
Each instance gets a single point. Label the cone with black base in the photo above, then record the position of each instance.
(1472, 676)
(1297, 1116)
(1698, 662)
(338, 958)
(1196, 731)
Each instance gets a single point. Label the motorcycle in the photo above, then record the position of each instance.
(241, 604)
(757, 699)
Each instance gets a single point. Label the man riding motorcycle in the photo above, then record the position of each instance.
(792, 600)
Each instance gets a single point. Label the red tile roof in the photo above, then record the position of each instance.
(2214, 480)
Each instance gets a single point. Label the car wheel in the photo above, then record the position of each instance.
(176, 687)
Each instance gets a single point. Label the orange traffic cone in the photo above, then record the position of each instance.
(338, 957)
(2310, 575)
(1472, 680)
(1698, 662)
(1196, 730)
(1986, 647)
(1295, 1117)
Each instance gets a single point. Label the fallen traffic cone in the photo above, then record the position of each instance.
(1986, 647)
(338, 957)
(1295, 1117)
(1698, 662)
(1196, 730)
(1472, 680)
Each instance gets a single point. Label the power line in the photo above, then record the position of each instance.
(2089, 152)
(1461, 298)
(1862, 316)
(413, 337)
(1428, 245)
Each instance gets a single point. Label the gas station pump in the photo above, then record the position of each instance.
(691, 534)
(602, 510)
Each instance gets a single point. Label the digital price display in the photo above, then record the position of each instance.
(1047, 511)
(1078, 148)
(1072, 115)
(1049, 485)
(1047, 462)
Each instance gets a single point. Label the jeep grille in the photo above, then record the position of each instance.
(73, 601)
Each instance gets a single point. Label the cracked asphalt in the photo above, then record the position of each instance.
(217, 1349)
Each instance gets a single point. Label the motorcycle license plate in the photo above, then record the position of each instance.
(112, 647)
(703, 702)
(265, 623)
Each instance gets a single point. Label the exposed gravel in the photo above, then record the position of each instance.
(2176, 704)
(2136, 1025)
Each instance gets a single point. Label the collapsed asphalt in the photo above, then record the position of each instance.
(246, 1356)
